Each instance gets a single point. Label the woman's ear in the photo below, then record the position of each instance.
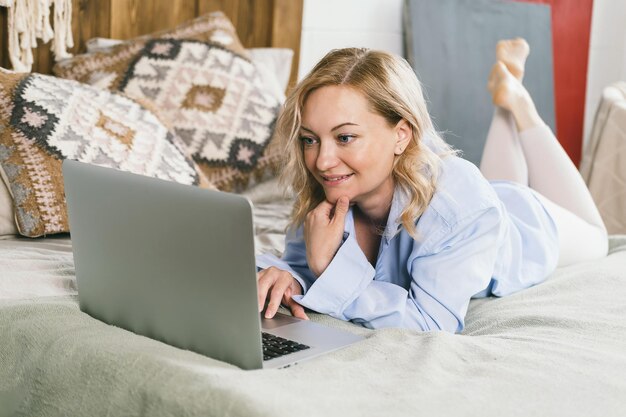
(404, 135)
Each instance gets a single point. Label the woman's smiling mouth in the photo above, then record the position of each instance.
(331, 180)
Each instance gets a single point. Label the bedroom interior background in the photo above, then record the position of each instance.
(259, 23)
(305, 27)
(557, 349)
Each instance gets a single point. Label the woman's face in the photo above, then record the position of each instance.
(348, 148)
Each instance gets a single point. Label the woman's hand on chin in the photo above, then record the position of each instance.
(323, 232)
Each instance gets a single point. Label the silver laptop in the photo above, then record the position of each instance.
(176, 263)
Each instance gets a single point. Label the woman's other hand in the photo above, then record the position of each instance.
(279, 286)
(323, 232)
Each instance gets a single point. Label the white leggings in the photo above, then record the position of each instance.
(534, 157)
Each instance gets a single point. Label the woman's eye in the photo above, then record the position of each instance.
(307, 141)
(345, 138)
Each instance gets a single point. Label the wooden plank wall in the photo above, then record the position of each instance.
(259, 23)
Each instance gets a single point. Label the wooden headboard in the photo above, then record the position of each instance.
(259, 23)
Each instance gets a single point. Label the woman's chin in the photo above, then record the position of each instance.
(333, 197)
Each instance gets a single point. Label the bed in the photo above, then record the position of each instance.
(558, 348)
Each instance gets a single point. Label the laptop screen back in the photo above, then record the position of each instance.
(168, 261)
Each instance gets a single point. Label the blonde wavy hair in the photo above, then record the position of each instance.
(393, 91)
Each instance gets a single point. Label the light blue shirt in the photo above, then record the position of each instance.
(476, 238)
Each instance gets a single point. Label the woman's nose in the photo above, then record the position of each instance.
(327, 157)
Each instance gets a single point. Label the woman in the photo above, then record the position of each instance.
(390, 227)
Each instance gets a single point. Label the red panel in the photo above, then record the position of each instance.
(571, 25)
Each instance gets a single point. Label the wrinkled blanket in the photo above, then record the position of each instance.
(556, 349)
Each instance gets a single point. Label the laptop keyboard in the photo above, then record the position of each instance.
(274, 346)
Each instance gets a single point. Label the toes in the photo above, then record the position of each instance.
(513, 52)
(522, 45)
(514, 48)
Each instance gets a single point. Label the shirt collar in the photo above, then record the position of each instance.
(398, 203)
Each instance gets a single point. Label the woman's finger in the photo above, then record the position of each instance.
(297, 310)
(323, 210)
(264, 282)
(341, 209)
(276, 295)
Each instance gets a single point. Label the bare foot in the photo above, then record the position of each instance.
(505, 89)
(513, 54)
(508, 92)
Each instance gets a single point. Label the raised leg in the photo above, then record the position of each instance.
(550, 171)
(503, 157)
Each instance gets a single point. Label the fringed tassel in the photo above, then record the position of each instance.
(62, 29)
(28, 21)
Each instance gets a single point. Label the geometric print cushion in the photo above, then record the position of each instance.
(235, 153)
(105, 69)
(212, 98)
(44, 120)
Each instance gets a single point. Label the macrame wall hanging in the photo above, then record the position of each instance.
(29, 20)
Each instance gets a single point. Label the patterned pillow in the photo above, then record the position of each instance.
(105, 69)
(44, 120)
(210, 95)
(212, 98)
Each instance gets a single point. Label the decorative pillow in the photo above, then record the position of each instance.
(277, 63)
(44, 120)
(106, 68)
(212, 98)
(274, 64)
(209, 94)
(214, 101)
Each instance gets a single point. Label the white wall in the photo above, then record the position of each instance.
(330, 24)
(607, 53)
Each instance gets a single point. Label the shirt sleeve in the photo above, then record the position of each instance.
(293, 259)
(454, 263)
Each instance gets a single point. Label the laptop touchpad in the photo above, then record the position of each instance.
(279, 320)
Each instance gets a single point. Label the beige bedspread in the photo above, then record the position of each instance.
(557, 349)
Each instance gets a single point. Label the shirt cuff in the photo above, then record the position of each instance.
(348, 274)
(266, 260)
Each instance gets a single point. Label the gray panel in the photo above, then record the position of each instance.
(451, 46)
